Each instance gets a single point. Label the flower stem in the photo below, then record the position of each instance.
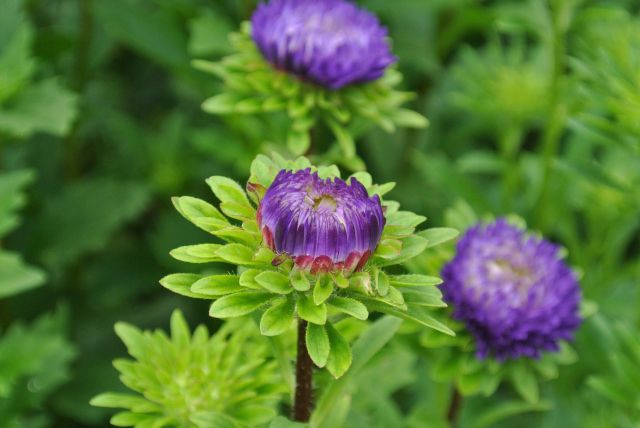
(304, 373)
(455, 404)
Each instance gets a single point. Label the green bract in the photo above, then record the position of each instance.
(281, 293)
(252, 85)
(194, 381)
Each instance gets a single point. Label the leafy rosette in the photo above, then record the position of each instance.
(194, 380)
(308, 245)
(515, 305)
(321, 61)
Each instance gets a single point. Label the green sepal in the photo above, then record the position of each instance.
(322, 289)
(299, 280)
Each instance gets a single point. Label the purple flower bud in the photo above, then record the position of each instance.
(514, 292)
(323, 225)
(330, 42)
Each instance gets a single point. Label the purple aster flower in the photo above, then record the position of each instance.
(513, 291)
(323, 225)
(330, 42)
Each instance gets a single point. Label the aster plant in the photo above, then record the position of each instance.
(320, 61)
(309, 248)
(516, 306)
(197, 380)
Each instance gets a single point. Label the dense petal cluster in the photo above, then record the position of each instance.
(323, 224)
(513, 291)
(330, 42)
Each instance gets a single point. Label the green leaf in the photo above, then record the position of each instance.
(506, 410)
(41, 107)
(350, 307)
(438, 235)
(236, 254)
(83, 217)
(345, 140)
(278, 318)
(227, 190)
(525, 382)
(201, 253)
(274, 282)
(117, 400)
(323, 289)
(208, 34)
(381, 189)
(340, 280)
(15, 276)
(318, 344)
(368, 344)
(238, 304)
(311, 312)
(16, 64)
(200, 213)
(213, 420)
(298, 142)
(217, 285)
(412, 313)
(248, 279)
(414, 280)
(339, 359)
(138, 26)
(221, 104)
(411, 247)
(382, 284)
(409, 118)
(129, 419)
(424, 296)
(238, 211)
(181, 283)
(12, 197)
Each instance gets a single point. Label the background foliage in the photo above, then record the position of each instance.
(534, 109)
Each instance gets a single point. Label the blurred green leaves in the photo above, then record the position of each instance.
(34, 361)
(102, 161)
(44, 105)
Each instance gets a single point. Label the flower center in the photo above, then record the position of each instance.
(324, 203)
(504, 270)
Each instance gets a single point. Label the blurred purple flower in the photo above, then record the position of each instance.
(323, 225)
(513, 291)
(330, 42)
